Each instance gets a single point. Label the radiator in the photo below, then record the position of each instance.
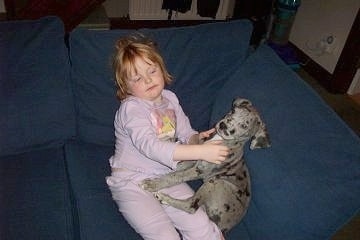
(151, 10)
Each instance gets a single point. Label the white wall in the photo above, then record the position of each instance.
(318, 19)
(2, 6)
(355, 84)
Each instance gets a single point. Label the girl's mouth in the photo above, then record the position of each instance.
(151, 88)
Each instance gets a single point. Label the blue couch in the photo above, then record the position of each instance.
(57, 104)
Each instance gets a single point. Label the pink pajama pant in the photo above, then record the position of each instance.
(153, 220)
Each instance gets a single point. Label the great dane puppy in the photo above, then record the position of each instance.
(226, 189)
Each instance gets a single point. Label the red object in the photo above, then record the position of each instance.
(71, 12)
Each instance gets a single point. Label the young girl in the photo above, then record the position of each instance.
(152, 135)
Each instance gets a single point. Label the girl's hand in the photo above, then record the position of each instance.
(198, 138)
(211, 151)
(206, 134)
(214, 152)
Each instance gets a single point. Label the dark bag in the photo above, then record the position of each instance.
(207, 8)
(177, 5)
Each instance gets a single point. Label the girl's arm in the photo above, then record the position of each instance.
(212, 151)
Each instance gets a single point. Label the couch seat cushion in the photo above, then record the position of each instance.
(34, 196)
(307, 185)
(98, 216)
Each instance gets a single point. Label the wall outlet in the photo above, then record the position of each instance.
(328, 43)
(325, 45)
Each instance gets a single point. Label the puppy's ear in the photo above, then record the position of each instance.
(241, 102)
(261, 137)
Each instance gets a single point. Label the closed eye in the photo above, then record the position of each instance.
(152, 70)
(136, 79)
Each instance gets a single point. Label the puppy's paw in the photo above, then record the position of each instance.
(161, 197)
(149, 185)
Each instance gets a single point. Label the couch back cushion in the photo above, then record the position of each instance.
(36, 108)
(200, 58)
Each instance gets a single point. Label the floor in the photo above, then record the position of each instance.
(348, 108)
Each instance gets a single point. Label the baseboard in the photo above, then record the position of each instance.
(126, 23)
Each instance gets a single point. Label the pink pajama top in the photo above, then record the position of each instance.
(147, 133)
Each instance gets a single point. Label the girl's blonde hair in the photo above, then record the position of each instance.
(127, 49)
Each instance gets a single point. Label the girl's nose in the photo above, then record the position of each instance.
(148, 79)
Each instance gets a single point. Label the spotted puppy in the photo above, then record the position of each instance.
(225, 192)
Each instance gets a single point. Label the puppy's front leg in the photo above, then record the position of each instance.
(170, 179)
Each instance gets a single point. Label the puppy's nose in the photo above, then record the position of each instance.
(222, 126)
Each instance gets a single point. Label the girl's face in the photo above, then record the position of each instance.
(147, 82)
